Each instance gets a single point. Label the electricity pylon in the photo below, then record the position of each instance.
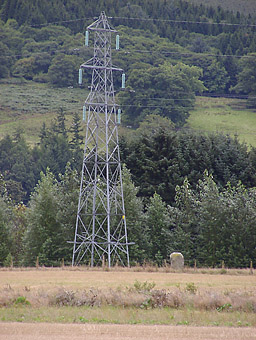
(101, 232)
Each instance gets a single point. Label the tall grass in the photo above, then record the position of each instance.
(130, 305)
(139, 295)
(128, 295)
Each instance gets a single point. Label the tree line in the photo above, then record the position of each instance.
(183, 192)
(21, 165)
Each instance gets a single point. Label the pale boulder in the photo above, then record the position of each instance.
(177, 260)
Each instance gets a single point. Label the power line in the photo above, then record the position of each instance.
(138, 106)
(203, 95)
(185, 54)
(185, 21)
(57, 22)
(147, 19)
(189, 99)
(129, 51)
(188, 54)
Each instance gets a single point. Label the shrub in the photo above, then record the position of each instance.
(191, 288)
(143, 286)
(21, 300)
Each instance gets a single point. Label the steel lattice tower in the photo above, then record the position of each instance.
(101, 231)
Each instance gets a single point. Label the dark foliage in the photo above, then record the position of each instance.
(160, 161)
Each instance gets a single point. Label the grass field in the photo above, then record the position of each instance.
(27, 105)
(128, 297)
(225, 115)
(85, 278)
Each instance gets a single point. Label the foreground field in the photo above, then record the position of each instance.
(86, 278)
(15, 331)
(119, 296)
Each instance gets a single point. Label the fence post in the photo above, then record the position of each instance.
(251, 268)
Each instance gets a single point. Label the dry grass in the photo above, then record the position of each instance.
(130, 297)
(86, 277)
(126, 296)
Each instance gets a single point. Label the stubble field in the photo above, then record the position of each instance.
(84, 278)
(131, 304)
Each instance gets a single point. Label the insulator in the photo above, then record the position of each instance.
(80, 76)
(123, 81)
(86, 38)
(119, 116)
(117, 42)
(84, 113)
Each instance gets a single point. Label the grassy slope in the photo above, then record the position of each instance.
(28, 105)
(243, 6)
(225, 115)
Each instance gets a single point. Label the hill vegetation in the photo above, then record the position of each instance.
(247, 7)
(200, 44)
(171, 53)
(27, 105)
(224, 115)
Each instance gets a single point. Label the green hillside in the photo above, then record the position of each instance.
(27, 105)
(188, 50)
(175, 66)
(229, 116)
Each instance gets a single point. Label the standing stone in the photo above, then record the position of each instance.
(177, 261)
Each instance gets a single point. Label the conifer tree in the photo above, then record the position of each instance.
(157, 224)
(42, 236)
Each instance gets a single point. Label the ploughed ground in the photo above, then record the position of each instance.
(53, 331)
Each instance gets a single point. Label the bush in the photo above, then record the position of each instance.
(21, 300)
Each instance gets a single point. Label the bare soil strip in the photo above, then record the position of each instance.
(112, 279)
(43, 331)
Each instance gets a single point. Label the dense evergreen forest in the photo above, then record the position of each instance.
(184, 191)
(244, 6)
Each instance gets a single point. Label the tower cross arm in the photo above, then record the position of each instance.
(101, 29)
(101, 67)
(101, 24)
